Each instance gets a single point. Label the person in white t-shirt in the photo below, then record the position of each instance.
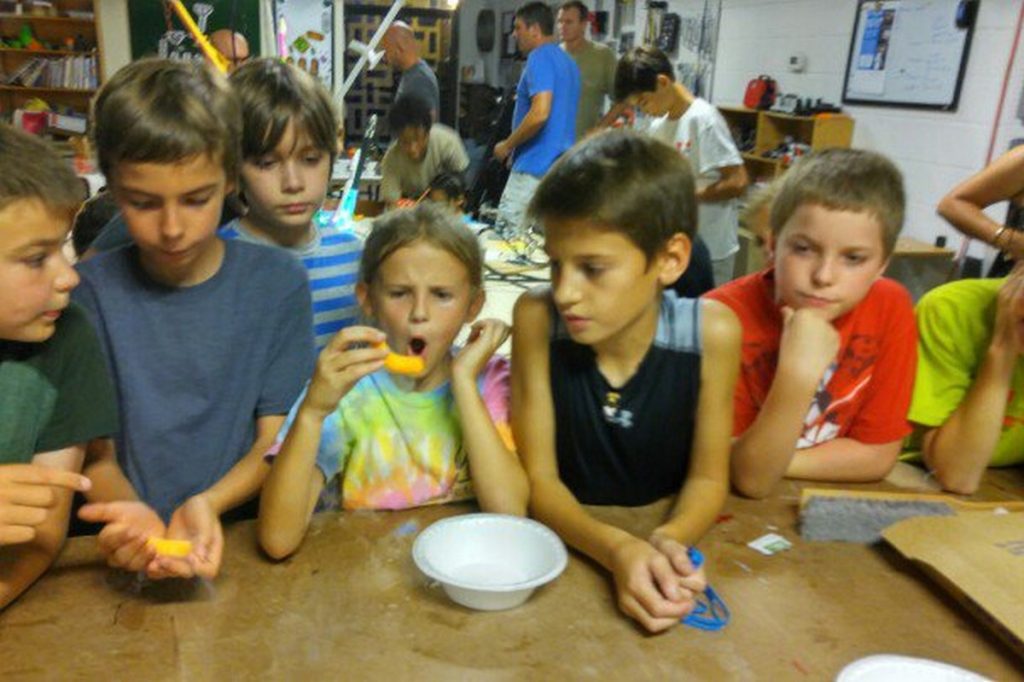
(644, 78)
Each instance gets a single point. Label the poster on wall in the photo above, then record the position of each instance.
(308, 39)
(908, 53)
(155, 32)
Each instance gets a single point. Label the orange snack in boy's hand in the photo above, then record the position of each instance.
(403, 364)
(174, 548)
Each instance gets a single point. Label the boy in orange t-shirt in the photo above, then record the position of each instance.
(829, 345)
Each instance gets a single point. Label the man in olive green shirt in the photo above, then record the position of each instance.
(596, 63)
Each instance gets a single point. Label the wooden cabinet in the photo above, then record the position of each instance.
(759, 133)
(67, 75)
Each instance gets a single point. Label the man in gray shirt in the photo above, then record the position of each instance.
(402, 52)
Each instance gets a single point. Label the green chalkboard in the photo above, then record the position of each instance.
(156, 30)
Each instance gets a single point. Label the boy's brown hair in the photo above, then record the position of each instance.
(273, 94)
(32, 169)
(163, 111)
(844, 180)
(433, 223)
(621, 181)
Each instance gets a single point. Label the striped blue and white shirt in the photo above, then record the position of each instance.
(331, 260)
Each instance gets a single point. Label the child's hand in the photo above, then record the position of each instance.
(27, 494)
(809, 344)
(340, 366)
(691, 578)
(124, 538)
(1008, 335)
(648, 586)
(196, 521)
(485, 337)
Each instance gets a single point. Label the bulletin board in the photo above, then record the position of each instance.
(156, 31)
(309, 38)
(909, 53)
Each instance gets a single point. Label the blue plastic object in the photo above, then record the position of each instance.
(710, 613)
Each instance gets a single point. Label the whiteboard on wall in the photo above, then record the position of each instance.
(907, 53)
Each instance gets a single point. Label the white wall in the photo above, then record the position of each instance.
(934, 150)
(468, 52)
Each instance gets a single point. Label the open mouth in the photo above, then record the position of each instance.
(417, 346)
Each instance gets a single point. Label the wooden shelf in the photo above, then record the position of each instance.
(757, 158)
(53, 31)
(45, 53)
(772, 128)
(43, 91)
(58, 20)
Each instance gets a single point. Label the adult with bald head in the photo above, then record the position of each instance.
(233, 46)
(402, 52)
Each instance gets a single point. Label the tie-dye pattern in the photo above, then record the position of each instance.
(392, 449)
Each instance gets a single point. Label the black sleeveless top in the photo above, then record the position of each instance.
(628, 445)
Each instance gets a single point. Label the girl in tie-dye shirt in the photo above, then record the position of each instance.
(384, 441)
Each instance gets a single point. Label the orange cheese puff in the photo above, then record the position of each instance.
(174, 548)
(403, 364)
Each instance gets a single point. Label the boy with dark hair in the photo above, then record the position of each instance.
(544, 119)
(645, 78)
(55, 394)
(828, 343)
(622, 392)
(421, 150)
(448, 189)
(209, 341)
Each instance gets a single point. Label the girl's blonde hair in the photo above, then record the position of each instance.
(435, 224)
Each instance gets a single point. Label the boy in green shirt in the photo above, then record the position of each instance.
(969, 393)
(55, 394)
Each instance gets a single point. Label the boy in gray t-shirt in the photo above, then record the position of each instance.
(209, 342)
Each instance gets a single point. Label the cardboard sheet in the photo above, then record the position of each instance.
(978, 557)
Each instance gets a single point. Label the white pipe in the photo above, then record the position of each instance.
(385, 24)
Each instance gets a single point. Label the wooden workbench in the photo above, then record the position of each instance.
(351, 605)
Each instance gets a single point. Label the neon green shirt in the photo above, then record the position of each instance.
(954, 325)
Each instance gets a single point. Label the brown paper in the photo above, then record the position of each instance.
(979, 558)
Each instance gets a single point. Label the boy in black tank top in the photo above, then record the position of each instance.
(622, 393)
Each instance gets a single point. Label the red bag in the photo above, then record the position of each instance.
(760, 93)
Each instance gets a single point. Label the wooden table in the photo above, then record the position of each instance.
(351, 605)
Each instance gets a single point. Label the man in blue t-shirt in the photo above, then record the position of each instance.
(544, 120)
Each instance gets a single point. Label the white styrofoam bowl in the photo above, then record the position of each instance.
(489, 562)
(893, 668)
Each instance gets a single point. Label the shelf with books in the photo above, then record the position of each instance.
(54, 57)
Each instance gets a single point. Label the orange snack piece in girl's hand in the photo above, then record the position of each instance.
(410, 365)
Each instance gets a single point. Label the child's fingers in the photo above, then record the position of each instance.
(161, 568)
(695, 582)
(112, 536)
(676, 554)
(16, 535)
(632, 608)
(17, 515)
(129, 555)
(665, 578)
(32, 474)
(102, 512)
(357, 334)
